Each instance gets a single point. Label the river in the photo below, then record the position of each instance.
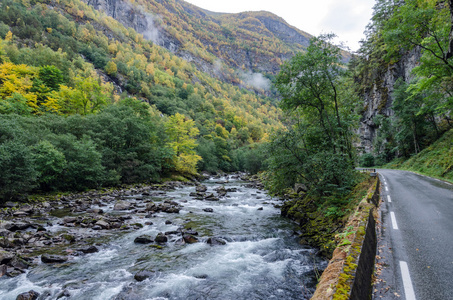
(261, 259)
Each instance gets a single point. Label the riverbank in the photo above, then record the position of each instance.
(322, 219)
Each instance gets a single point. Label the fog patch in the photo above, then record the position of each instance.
(151, 32)
(256, 80)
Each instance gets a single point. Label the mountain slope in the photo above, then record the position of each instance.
(217, 43)
(90, 48)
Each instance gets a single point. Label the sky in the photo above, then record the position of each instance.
(346, 18)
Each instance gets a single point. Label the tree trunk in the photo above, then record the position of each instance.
(450, 37)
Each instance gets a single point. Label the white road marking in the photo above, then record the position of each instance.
(392, 216)
(386, 188)
(407, 282)
(389, 199)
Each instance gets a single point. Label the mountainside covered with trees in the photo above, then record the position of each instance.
(82, 96)
(233, 47)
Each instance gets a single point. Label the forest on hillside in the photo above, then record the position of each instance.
(84, 97)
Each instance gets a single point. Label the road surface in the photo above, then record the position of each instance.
(415, 247)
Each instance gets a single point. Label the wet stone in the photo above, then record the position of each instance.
(210, 210)
(161, 238)
(30, 295)
(201, 188)
(142, 275)
(143, 239)
(189, 239)
(48, 258)
(216, 241)
(122, 205)
(89, 249)
(17, 226)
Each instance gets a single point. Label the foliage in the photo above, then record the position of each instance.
(367, 160)
(421, 101)
(18, 170)
(436, 160)
(182, 133)
(315, 149)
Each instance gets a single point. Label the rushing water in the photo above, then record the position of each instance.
(261, 259)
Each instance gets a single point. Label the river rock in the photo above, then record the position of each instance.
(191, 232)
(89, 249)
(143, 239)
(211, 197)
(161, 238)
(102, 224)
(69, 220)
(208, 209)
(201, 188)
(3, 270)
(143, 274)
(189, 239)
(121, 205)
(30, 295)
(215, 241)
(49, 258)
(5, 257)
(19, 263)
(17, 226)
(221, 191)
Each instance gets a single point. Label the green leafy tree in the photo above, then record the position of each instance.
(18, 173)
(182, 133)
(50, 163)
(316, 147)
(428, 26)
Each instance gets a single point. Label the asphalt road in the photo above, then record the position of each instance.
(415, 246)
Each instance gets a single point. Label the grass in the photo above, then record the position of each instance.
(435, 161)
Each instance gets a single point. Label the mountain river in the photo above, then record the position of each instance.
(261, 258)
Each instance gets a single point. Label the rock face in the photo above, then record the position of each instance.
(378, 98)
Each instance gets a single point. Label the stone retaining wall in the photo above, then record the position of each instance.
(349, 273)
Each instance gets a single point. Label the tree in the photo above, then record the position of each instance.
(316, 147)
(18, 173)
(50, 163)
(182, 132)
(428, 26)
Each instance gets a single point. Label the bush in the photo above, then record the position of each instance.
(18, 174)
(367, 160)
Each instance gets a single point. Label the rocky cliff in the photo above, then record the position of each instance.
(378, 97)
